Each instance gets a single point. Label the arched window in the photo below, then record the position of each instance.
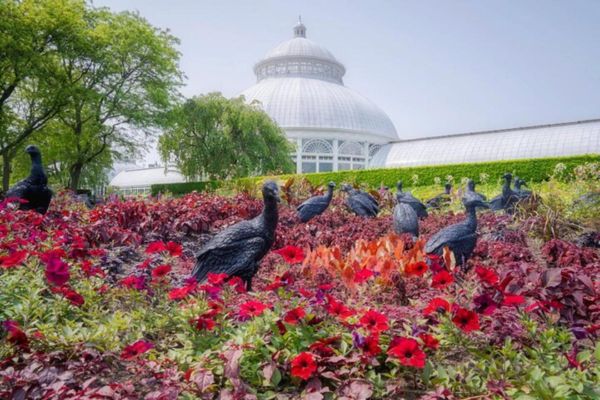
(317, 146)
(317, 156)
(351, 156)
(351, 149)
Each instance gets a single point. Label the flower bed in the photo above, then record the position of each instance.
(97, 304)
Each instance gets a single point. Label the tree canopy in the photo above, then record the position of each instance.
(214, 137)
(106, 84)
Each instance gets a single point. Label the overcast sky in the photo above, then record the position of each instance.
(435, 67)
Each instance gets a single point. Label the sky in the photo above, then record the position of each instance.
(435, 67)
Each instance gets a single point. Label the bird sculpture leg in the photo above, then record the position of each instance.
(248, 282)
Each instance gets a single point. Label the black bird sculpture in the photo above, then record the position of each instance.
(471, 194)
(522, 194)
(405, 217)
(508, 199)
(441, 199)
(316, 205)
(34, 189)
(361, 203)
(461, 238)
(415, 203)
(238, 249)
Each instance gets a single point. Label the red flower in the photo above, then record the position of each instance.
(291, 254)
(437, 305)
(374, 321)
(15, 335)
(252, 308)
(214, 308)
(135, 349)
(12, 260)
(72, 296)
(238, 284)
(416, 269)
(202, 323)
(513, 300)
(322, 346)
(466, 320)
(216, 279)
(409, 353)
(161, 271)
(133, 282)
(181, 292)
(57, 271)
(304, 365)
(485, 304)
(89, 270)
(429, 341)
(294, 316)
(371, 345)
(336, 308)
(487, 275)
(362, 275)
(156, 247)
(174, 249)
(441, 280)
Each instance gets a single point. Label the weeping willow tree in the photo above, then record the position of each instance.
(213, 137)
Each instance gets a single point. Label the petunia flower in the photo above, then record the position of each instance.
(161, 271)
(294, 316)
(156, 247)
(513, 300)
(441, 280)
(203, 324)
(408, 352)
(374, 321)
(466, 320)
(484, 304)
(182, 292)
(15, 334)
(238, 284)
(13, 260)
(252, 308)
(436, 305)
(429, 341)
(174, 249)
(487, 275)
(337, 308)
(371, 345)
(57, 271)
(216, 279)
(291, 254)
(304, 365)
(416, 269)
(134, 282)
(135, 349)
(72, 296)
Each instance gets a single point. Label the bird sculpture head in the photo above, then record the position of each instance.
(346, 187)
(448, 187)
(331, 185)
(507, 176)
(270, 191)
(31, 150)
(522, 182)
(471, 184)
(399, 186)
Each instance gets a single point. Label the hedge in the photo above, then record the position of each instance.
(532, 170)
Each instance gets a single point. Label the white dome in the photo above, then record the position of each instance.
(296, 103)
(301, 47)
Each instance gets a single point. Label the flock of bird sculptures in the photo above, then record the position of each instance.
(238, 249)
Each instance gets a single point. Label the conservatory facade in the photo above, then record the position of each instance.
(300, 85)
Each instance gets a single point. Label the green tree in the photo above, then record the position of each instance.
(121, 90)
(218, 138)
(32, 81)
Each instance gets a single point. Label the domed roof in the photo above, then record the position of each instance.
(300, 86)
(312, 103)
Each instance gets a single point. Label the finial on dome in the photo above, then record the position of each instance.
(300, 29)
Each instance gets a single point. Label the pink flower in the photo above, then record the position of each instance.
(57, 271)
(291, 254)
(135, 349)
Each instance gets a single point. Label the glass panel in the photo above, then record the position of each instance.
(308, 167)
(325, 167)
(343, 166)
